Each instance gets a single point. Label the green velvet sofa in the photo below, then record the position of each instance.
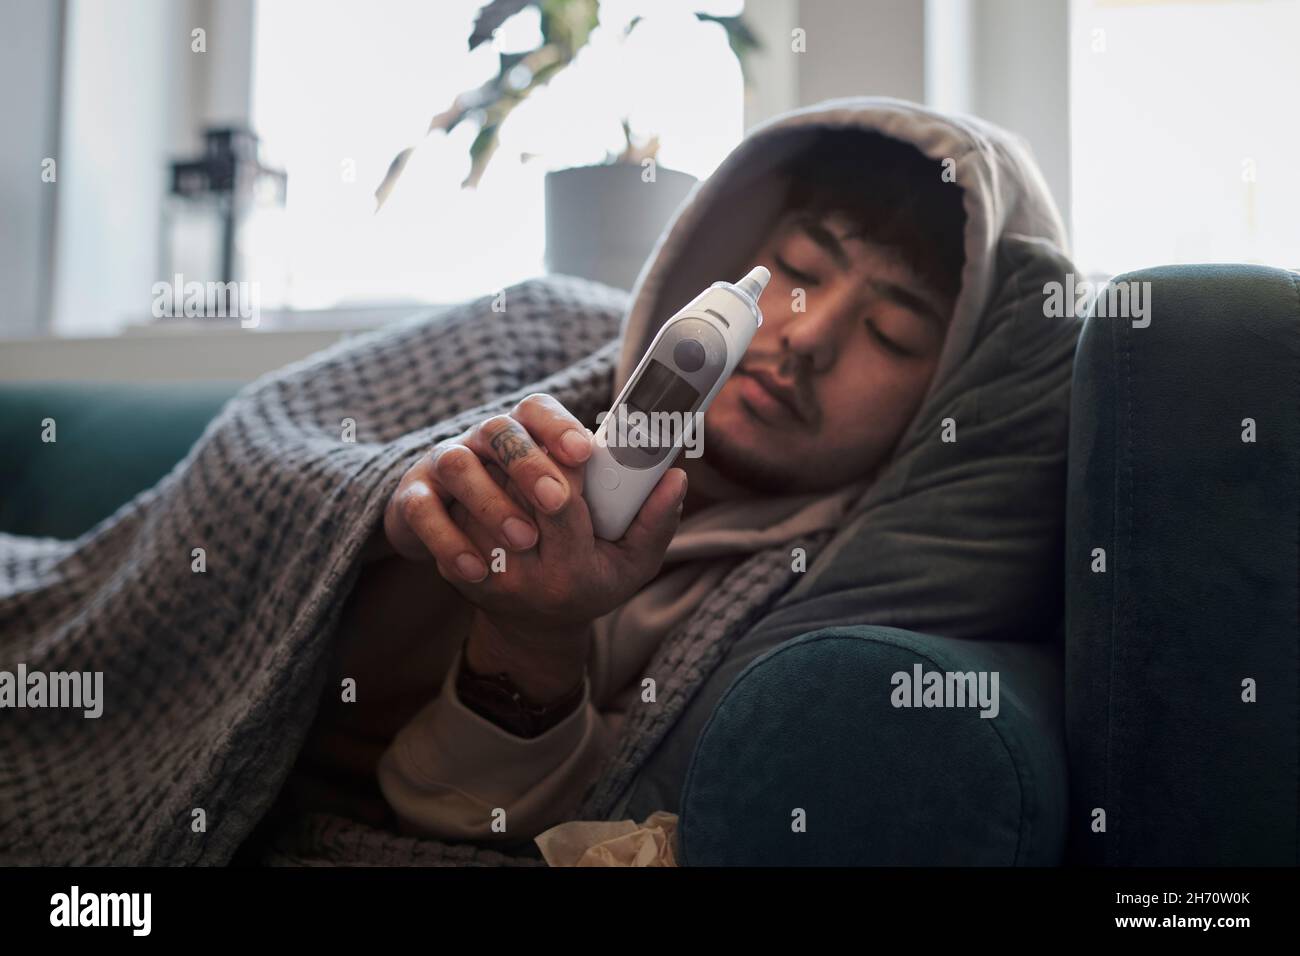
(1127, 738)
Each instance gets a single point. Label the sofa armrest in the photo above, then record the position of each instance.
(813, 725)
(1181, 647)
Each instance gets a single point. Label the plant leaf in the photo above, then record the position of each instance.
(568, 23)
(448, 119)
(480, 151)
(737, 30)
(390, 178)
(740, 38)
(491, 16)
(566, 26)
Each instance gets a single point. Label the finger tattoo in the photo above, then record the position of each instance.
(510, 444)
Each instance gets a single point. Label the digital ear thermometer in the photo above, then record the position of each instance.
(686, 365)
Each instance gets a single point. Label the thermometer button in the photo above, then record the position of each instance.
(689, 355)
(608, 478)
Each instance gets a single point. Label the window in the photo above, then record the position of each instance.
(341, 87)
(1184, 140)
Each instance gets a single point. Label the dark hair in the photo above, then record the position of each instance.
(894, 194)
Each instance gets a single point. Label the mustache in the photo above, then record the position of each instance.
(786, 367)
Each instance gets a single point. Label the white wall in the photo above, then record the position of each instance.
(1007, 61)
(773, 76)
(30, 34)
(852, 48)
(135, 96)
(118, 88)
(1022, 80)
(1004, 60)
(862, 47)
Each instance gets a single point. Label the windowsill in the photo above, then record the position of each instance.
(344, 318)
(191, 350)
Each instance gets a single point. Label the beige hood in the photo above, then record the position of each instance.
(711, 235)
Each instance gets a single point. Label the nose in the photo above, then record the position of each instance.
(812, 336)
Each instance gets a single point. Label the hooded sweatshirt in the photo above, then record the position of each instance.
(448, 770)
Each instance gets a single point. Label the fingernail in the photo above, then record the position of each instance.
(576, 444)
(519, 533)
(471, 567)
(681, 492)
(550, 493)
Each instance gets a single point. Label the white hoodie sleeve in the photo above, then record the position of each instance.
(449, 770)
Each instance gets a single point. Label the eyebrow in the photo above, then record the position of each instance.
(908, 299)
(826, 240)
(899, 295)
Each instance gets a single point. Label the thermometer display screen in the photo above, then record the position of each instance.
(660, 389)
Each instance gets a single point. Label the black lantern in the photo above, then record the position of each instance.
(218, 211)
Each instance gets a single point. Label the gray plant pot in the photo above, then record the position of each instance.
(602, 221)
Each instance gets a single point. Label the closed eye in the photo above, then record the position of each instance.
(886, 342)
(797, 274)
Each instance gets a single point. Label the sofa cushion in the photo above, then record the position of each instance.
(112, 442)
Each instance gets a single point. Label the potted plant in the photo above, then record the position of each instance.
(601, 220)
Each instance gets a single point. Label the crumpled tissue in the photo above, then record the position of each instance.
(612, 842)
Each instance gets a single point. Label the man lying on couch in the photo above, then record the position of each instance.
(906, 392)
(856, 317)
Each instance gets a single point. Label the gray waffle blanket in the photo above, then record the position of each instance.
(211, 680)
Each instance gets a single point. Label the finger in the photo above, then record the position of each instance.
(569, 531)
(401, 536)
(419, 508)
(507, 442)
(554, 427)
(646, 539)
(479, 534)
(461, 476)
(512, 489)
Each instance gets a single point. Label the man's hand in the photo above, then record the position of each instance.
(571, 577)
(515, 482)
(417, 524)
(535, 612)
